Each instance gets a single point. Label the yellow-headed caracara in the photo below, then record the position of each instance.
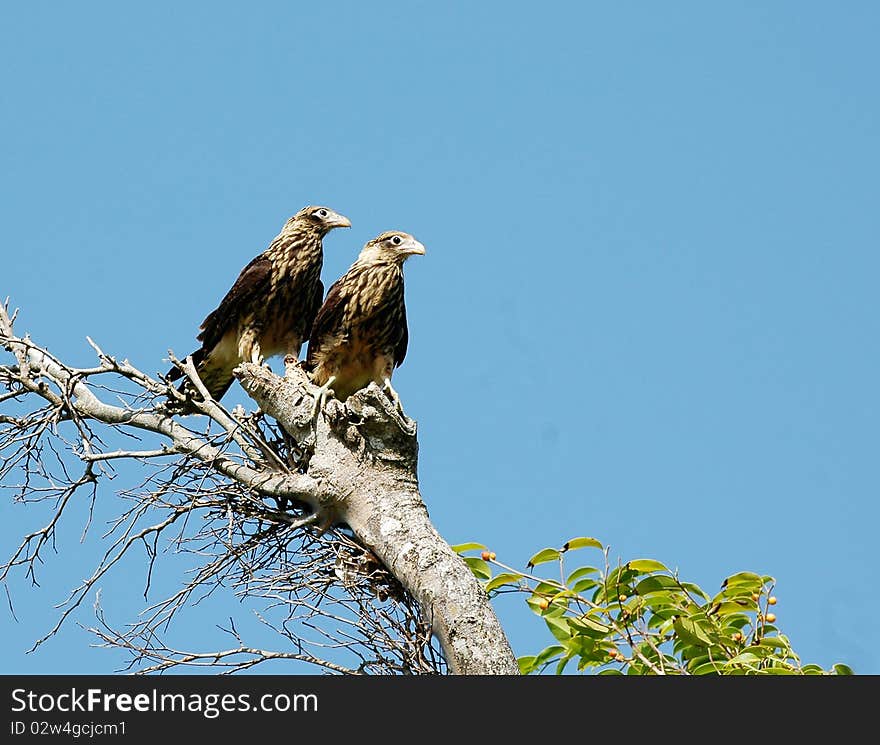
(360, 333)
(270, 308)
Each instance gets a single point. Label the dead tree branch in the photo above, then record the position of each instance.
(275, 493)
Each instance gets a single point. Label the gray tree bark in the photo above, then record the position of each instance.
(364, 474)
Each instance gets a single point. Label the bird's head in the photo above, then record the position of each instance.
(320, 219)
(393, 246)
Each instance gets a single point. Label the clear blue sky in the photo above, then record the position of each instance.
(648, 309)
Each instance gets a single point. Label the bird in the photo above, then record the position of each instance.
(270, 308)
(360, 334)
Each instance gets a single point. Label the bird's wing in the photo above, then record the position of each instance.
(310, 312)
(242, 296)
(400, 349)
(327, 325)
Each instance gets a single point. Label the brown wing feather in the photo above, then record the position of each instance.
(400, 349)
(328, 321)
(310, 313)
(251, 283)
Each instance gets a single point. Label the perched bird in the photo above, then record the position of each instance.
(270, 308)
(360, 333)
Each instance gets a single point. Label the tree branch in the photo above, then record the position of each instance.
(381, 598)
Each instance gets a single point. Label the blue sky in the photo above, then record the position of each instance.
(648, 309)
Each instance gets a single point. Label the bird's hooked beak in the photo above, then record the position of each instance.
(412, 248)
(335, 220)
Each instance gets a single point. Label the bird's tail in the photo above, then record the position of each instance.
(216, 381)
(175, 373)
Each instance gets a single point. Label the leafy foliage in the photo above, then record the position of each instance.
(640, 618)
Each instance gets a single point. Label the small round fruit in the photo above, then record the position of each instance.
(621, 598)
(755, 596)
(737, 637)
(771, 600)
(543, 603)
(771, 617)
(485, 556)
(491, 556)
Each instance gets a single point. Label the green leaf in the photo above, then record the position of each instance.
(692, 632)
(779, 670)
(543, 556)
(581, 645)
(695, 590)
(698, 658)
(462, 547)
(729, 630)
(841, 669)
(506, 578)
(620, 576)
(582, 542)
(656, 583)
(548, 654)
(727, 607)
(558, 627)
(589, 626)
(738, 622)
(581, 572)
(662, 617)
(646, 565)
(560, 667)
(743, 658)
(743, 578)
(774, 642)
(584, 584)
(547, 588)
(526, 664)
(598, 658)
(708, 668)
(759, 651)
(812, 670)
(479, 567)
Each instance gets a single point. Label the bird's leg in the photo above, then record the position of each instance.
(321, 397)
(249, 348)
(392, 394)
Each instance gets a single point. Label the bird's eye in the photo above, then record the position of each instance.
(321, 213)
(397, 240)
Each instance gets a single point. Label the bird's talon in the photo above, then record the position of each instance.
(321, 396)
